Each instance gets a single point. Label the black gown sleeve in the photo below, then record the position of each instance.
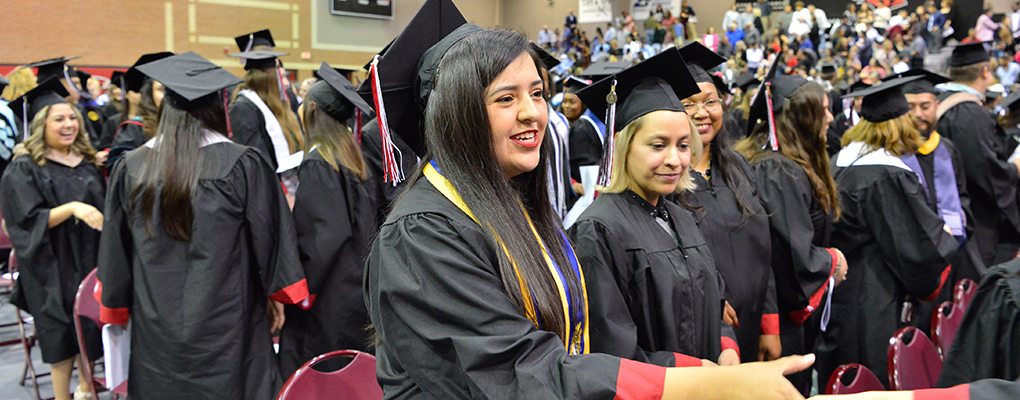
(323, 226)
(802, 269)
(613, 330)
(247, 125)
(273, 237)
(116, 252)
(769, 324)
(26, 214)
(448, 329)
(911, 237)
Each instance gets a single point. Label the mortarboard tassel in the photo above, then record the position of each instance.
(279, 82)
(247, 48)
(226, 110)
(391, 170)
(24, 117)
(773, 140)
(358, 125)
(74, 87)
(606, 166)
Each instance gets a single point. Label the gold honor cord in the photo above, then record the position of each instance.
(577, 341)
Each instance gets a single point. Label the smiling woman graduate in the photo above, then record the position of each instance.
(471, 285)
(199, 239)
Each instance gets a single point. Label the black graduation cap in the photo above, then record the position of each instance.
(336, 95)
(745, 81)
(49, 92)
(884, 101)
(548, 60)
(255, 39)
(258, 59)
(991, 95)
(407, 67)
(53, 67)
(699, 60)
(133, 78)
(827, 68)
(83, 77)
(968, 54)
(3, 83)
(924, 85)
(720, 87)
(382, 52)
(658, 83)
(572, 84)
(779, 89)
(117, 77)
(601, 70)
(190, 80)
(1010, 101)
(346, 72)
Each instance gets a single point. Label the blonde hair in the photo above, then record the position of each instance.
(35, 146)
(898, 136)
(620, 181)
(22, 80)
(265, 83)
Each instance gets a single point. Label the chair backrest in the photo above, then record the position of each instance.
(964, 292)
(852, 378)
(5, 241)
(356, 381)
(12, 263)
(913, 361)
(85, 305)
(944, 324)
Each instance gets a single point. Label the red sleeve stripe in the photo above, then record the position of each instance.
(729, 343)
(292, 294)
(770, 324)
(115, 316)
(800, 316)
(942, 282)
(639, 381)
(958, 392)
(683, 360)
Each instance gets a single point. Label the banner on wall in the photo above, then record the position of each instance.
(640, 9)
(381, 9)
(594, 11)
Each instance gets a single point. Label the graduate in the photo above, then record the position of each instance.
(724, 199)
(992, 181)
(899, 247)
(654, 290)
(136, 125)
(260, 115)
(844, 121)
(57, 68)
(335, 218)
(52, 199)
(786, 149)
(452, 316)
(194, 255)
(587, 131)
(558, 133)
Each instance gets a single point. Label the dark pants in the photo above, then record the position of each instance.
(800, 339)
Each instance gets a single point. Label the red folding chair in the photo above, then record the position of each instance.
(852, 378)
(27, 340)
(944, 324)
(964, 292)
(355, 381)
(913, 361)
(85, 305)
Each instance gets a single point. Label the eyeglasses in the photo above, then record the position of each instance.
(710, 105)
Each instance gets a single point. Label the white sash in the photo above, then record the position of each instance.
(280, 147)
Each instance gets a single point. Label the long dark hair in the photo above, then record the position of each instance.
(727, 166)
(802, 140)
(175, 163)
(147, 109)
(459, 138)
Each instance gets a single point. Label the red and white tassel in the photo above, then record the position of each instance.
(24, 118)
(357, 125)
(226, 110)
(606, 166)
(391, 169)
(247, 48)
(279, 81)
(773, 140)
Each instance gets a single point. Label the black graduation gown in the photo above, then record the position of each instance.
(335, 218)
(733, 127)
(53, 261)
(93, 121)
(987, 344)
(248, 126)
(448, 330)
(834, 135)
(991, 181)
(742, 249)
(801, 261)
(129, 135)
(385, 193)
(585, 147)
(198, 308)
(649, 295)
(898, 252)
(109, 131)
